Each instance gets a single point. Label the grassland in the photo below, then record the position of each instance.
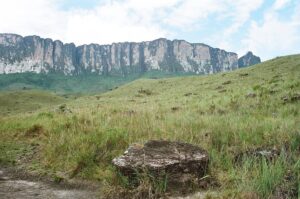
(15, 102)
(77, 84)
(226, 113)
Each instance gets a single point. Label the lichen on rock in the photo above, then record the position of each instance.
(182, 163)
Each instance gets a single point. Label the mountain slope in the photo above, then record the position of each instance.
(280, 74)
(80, 84)
(13, 102)
(34, 54)
(227, 114)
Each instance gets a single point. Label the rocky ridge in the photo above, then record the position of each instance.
(34, 54)
(248, 60)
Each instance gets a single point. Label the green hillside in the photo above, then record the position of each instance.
(227, 114)
(14, 102)
(62, 84)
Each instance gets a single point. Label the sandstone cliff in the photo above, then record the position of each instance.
(248, 60)
(34, 54)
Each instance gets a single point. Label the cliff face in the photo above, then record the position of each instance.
(248, 60)
(34, 54)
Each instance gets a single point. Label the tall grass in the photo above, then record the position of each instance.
(269, 176)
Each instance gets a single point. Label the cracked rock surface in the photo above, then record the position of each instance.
(180, 162)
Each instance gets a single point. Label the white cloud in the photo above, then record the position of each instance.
(274, 36)
(139, 20)
(110, 21)
(188, 13)
(113, 22)
(240, 12)
(279, 4)
(31, 17)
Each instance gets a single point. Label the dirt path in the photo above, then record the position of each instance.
(15, 184)
(12, 187)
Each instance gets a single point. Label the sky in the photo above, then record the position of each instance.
(268, 28)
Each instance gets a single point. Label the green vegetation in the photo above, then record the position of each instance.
(226, 113)
(85, 84)
(62, 84)
(14, 102)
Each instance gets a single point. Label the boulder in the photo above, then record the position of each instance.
(181, 163)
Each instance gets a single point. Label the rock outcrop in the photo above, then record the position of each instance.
(259, 153)
(248, 60)
(182, 163)
(34, 54)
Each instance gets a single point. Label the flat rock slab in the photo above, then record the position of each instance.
(181, 162)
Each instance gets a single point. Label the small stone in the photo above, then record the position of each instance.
(243, 74)
(188, 94)
(63, 109)
(251, 95)
(2, 177)
(175, 108)
(268, 154)
(293, 98)
(227, 82)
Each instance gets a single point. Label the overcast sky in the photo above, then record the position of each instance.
(269, 28)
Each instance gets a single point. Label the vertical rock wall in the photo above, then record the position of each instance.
(34, 54)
